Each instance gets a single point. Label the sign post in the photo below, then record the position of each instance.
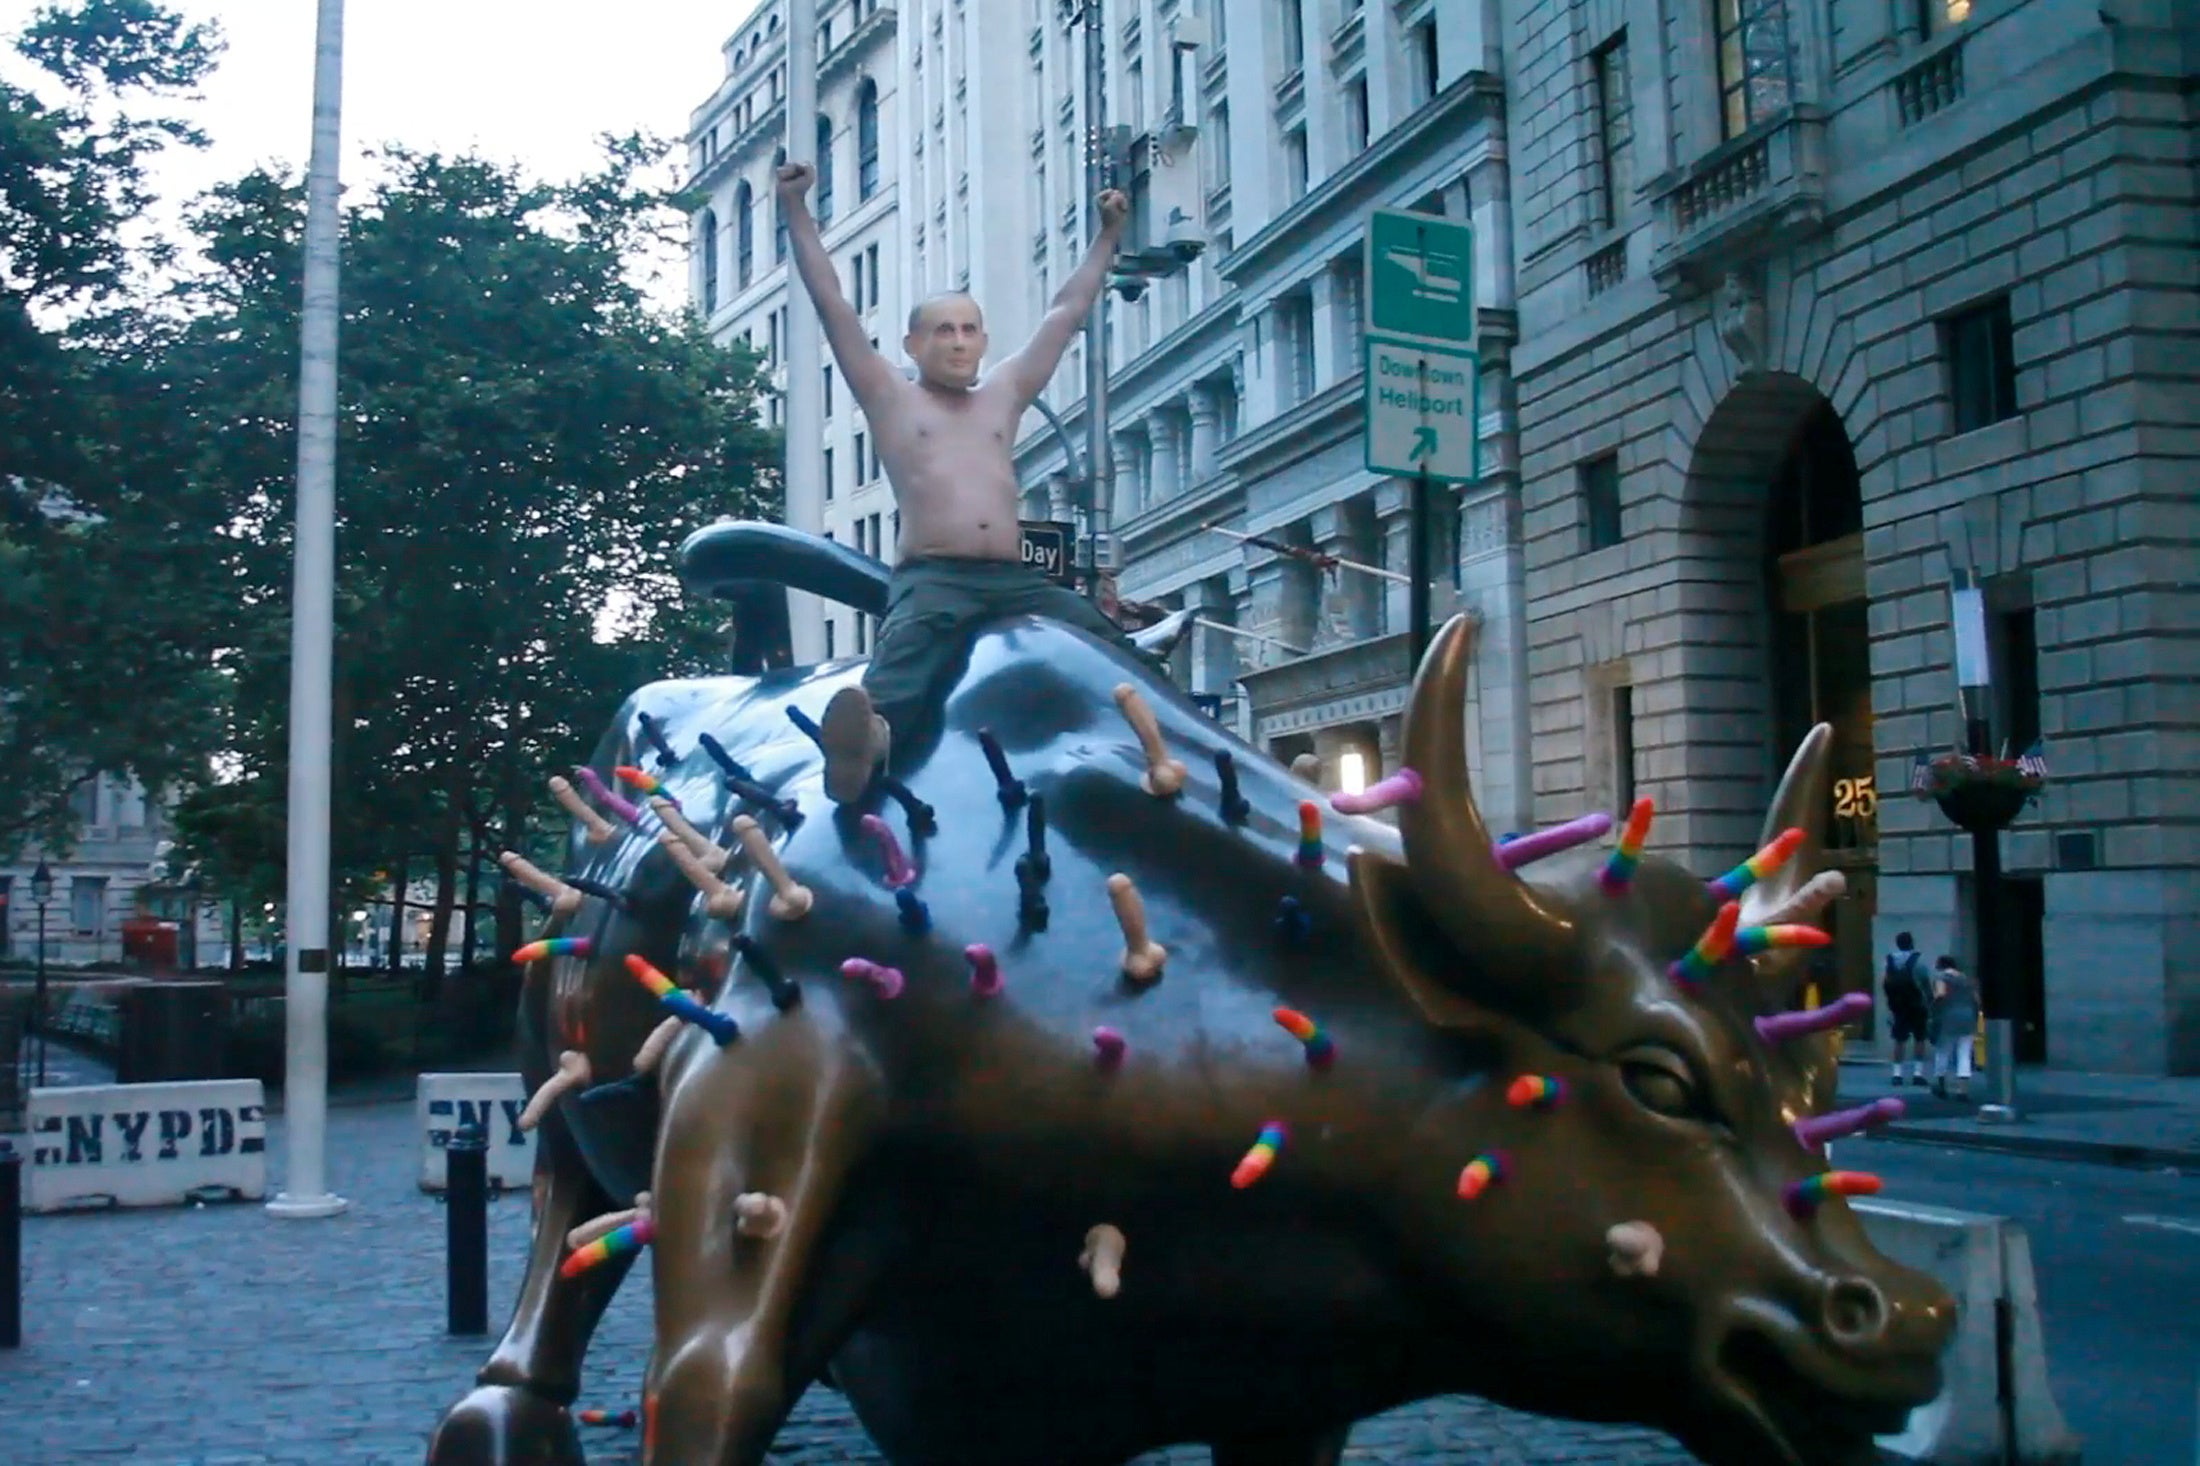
(1423, 377)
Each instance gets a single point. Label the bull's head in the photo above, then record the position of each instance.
(1770, 1330)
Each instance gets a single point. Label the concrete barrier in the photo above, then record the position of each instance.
(1997, 1405)
(146, 1144)
(444, 1102)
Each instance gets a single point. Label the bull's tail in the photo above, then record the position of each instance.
(750, 564)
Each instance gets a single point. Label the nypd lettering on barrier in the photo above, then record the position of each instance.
(146, 1144)
(444, 1104)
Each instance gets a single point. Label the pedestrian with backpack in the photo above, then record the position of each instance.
(1909, 1007)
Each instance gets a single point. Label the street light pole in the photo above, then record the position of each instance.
(1100, 483)
(804, 422)
(312, 646)
(1974, 676)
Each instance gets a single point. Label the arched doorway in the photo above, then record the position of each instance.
(1818, 647)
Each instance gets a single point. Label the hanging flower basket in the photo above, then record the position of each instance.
(1978, 793)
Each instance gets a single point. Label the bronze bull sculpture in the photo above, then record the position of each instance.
(1357, 1118)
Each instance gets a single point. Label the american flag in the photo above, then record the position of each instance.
(1920, 774)
(2033, 760)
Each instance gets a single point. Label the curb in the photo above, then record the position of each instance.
(2045, 1147)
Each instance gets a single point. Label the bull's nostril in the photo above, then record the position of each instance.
(1856, 1311)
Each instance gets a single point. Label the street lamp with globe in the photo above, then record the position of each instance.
(41, 894)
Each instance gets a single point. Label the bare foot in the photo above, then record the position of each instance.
(856, 741)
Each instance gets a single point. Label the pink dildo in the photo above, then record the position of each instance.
(603, 794)
(1108, 1047)
(888, 980)
(899, 872)
(1781, 1027)
(1815, 1130)
(1514, 854)
(1403, 787)
(985, 972)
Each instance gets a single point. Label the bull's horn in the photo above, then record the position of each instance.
(1799, 805)
(1479, 904)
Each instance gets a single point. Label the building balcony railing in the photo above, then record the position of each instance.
(1931, 85)
(1759, 192)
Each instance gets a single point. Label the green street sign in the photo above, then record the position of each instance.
(1418, 272)
(1423, 407)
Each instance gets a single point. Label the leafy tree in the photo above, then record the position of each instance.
(103, 639)
(522, 442)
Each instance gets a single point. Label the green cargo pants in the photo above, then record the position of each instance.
(935, 605)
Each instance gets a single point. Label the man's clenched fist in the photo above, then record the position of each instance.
(794, 179)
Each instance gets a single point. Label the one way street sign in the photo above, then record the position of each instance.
(1422, 407)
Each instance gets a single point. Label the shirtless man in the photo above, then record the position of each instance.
(944, 442)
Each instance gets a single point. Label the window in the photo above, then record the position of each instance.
(1355, 115)
(773, 354)
(855, 460)
(1615, 129)
(1134, 94)
(744, 236)
(861, 548)
(878, 545)
(827, 372)
(1290, 28)
(84, 802)
(1421, 43)
(1294, 163)
(828, 474)
(867, 139)
(1982, 371)
(829, 630)
(1599, 479)
(2017, 680)
(1217, 144)
(779, 215)
(863, 633)
(824, 170)
(1296, 321)
(870, 260)
(706, 240)
(897, 526)
(855, 284)
(1935, 16)
(1623, 746)
(874, 464)
(88, 904)
(1751, 36)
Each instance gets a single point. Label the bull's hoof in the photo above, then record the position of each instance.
(499, 1425)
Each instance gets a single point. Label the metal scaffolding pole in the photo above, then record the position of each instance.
(805, 416)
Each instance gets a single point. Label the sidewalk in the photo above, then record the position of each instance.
(2106, 1119)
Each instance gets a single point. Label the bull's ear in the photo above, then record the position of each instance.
(1409, 948)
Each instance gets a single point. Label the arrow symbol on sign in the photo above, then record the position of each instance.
(1424, 445)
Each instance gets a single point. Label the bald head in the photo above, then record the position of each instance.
(947, 340)
(924, 308)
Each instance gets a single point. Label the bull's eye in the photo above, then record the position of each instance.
(1660, 1082)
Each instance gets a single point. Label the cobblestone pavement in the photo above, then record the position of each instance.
(218, 1336)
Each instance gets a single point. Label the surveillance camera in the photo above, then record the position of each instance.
(1186, 241)
(1130, 287)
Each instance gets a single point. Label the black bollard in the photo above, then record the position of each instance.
(466, 1217)
(11, 1247)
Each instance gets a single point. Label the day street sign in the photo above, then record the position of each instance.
(1418, 278)
(1422, 408)
(1047, 544)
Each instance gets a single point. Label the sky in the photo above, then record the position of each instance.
(532, 84)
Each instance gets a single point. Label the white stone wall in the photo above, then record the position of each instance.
(2060, 169)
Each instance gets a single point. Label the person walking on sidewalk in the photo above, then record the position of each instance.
(1955, 1016)
(944, 441)
(1909, 1006)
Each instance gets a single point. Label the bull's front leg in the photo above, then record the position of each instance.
(518, 1410)
(746, 1317)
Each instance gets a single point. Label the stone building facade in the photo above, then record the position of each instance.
(1819, 306)
(1237, 410)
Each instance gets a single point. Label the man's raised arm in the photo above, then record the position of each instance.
(1030, 369)
(869, 374)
